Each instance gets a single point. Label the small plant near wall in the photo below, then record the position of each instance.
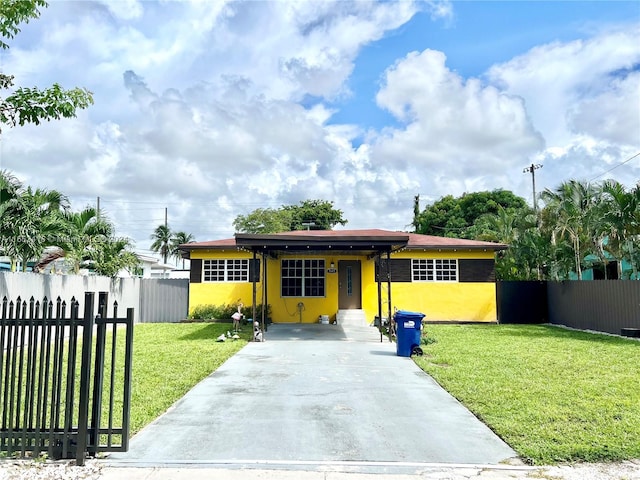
(427, 340)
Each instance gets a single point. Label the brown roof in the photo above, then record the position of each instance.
(227, 242)
(415, 239)
(346, 237)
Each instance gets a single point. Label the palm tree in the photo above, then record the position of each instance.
(622, 221)
(110, 256)
(569, 217)
(177, 239)
(28, 221)
(526, 258)
(162, 241)
(77, 234)
(9, 189)
(9, 197)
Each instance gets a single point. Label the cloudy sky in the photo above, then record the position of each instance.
(212, 109)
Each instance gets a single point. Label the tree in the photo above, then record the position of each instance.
(453, 217)
(111, 255)
(416, 213)
(77, 235)
(622, 218)
(161, 237)
(263, 221)
(10, 188)
(86, 240)
(28, 223)
(9, 193)
(309, 214)
(316, 214)
(177, 239)
(525, 259)
(32, 105)
(33, 222)
(569, 216)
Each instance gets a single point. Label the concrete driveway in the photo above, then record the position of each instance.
(313, 395)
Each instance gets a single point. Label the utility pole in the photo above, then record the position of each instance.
(98, 208)
(532, 169)
(165, 216)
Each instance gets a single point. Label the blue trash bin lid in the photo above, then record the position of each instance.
(406, 315)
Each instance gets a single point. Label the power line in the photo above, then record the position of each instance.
(616, 166)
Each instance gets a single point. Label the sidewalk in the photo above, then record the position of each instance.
(95, 470)
(382, 471)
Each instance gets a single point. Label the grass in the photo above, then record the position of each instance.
(554, 395)
(169, 359)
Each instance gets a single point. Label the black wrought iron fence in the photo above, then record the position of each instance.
(53, 400)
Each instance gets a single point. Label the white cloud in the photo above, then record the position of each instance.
(583, 96)
(199, 109)
(125, 9)
(561, 80)
(610, 114)
(453, 127)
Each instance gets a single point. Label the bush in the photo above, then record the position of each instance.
(223, 312)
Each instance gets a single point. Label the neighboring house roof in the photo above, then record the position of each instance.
(154, 263)
(362, 241)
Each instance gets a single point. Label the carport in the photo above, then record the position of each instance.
(378, 247)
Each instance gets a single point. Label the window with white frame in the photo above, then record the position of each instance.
(434, 270)
(303, 278)
(225, 270)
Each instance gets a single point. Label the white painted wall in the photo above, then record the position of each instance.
(126, 291)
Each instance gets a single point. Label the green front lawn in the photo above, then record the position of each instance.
(554, 395)
(170, 358)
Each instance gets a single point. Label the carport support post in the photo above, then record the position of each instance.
(380, 295)
(389, 286)
(264, 292)
(253, 280)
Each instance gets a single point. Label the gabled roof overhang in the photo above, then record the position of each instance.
(282, 244)
(368, 243)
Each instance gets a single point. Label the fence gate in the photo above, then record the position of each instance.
(54, 400)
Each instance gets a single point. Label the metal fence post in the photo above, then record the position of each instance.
(98, 373)
(126, 404)
(85, 378)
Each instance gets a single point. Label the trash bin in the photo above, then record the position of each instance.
(408, 333)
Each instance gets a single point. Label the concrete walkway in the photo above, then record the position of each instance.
(316, 396)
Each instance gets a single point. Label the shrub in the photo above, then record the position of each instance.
(223, 312)
(247, 311)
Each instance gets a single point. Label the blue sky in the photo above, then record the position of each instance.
(478, 35)
(213, 109)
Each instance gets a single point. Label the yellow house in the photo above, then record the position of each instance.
(346, 276)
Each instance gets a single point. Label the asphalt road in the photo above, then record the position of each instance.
(316, 395)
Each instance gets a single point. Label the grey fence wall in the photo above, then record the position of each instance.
(164, 300)
(522, 302)
(601, 305)
(605, 306)
(154, 300)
